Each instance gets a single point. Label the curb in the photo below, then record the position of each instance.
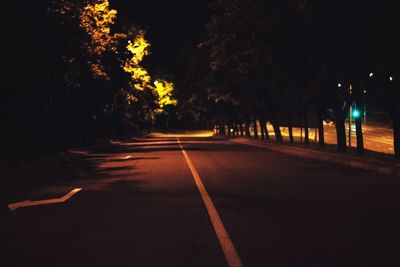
(324, 156)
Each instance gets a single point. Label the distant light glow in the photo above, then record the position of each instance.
(371, 74)
(390, 78)
(339, 85)
(184, 134)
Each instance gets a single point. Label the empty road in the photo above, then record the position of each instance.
(196, 201)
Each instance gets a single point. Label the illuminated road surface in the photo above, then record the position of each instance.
(141, 205)
(376, 138)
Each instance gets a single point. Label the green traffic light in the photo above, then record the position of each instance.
(356, 113)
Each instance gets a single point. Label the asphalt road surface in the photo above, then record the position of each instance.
(140, 205)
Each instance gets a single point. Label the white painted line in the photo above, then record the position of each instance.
(225, 241)
(28, 203)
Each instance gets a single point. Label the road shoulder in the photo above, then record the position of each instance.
(359, 162)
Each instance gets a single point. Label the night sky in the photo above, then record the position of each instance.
(173, 28)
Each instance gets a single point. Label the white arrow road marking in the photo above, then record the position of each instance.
(28, 203)
(225, 241)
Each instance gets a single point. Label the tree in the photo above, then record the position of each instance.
(257, 55)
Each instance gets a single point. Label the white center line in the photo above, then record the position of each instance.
(225, 241)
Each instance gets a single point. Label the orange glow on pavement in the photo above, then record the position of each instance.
(184, 134)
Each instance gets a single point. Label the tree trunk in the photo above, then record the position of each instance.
(301, 134)
(306, 135)
(359, 134)
(267, 138)
(255, 128)
(278, 134)
(340, 131)
(321, 138)
(222, 128)
(306, 132)
(241, 129)
(262, 128)
(247, 128)
(301, 128)
(290, 128)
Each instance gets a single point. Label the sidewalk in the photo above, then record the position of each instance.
(368, 161)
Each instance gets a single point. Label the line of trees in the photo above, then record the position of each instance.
(72, 77)
(287, 61)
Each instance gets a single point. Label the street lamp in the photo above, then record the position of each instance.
(391, 78)
(339, 85)
(371, 74)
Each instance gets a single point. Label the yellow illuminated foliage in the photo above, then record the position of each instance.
(139, 48)
(163, 90)
(96, 19)
(141, 80)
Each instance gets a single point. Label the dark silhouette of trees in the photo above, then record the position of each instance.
(66, 81)
(257, 59)
(297, 63)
